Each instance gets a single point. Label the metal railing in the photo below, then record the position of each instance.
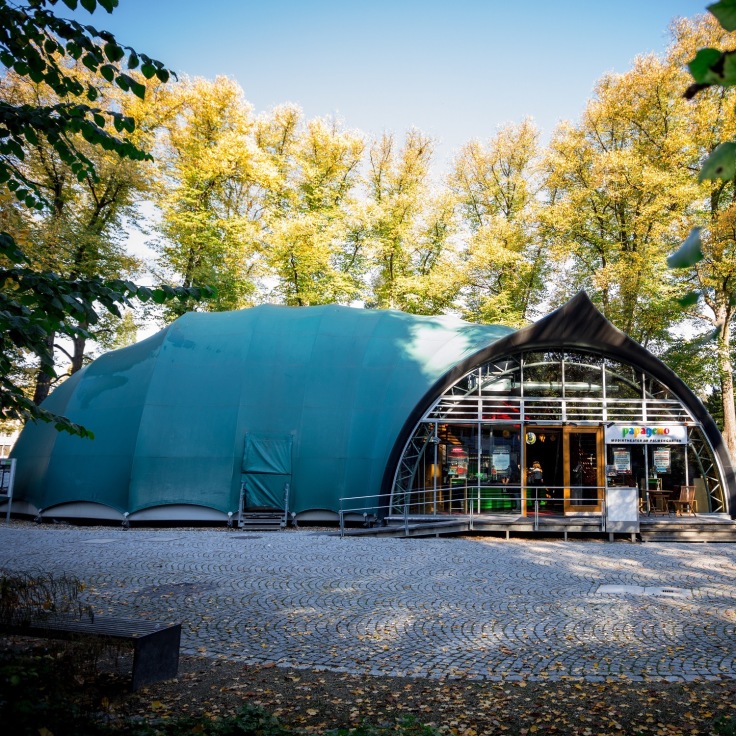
(369, 512)
(447, 502)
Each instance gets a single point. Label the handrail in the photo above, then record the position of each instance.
(471, 500)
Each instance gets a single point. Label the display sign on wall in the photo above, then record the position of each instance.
(646, 434)
(661, 459)
(622, 460)
(501, 460)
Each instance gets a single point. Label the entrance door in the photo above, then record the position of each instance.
(543, 477)
(583, 454)
(266, 472)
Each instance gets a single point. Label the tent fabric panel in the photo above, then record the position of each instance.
(201, 372)
(264, 490)
(201, 481)
(338, 380)
(106, 397)
(35, 447)
(180, 431)
(87, 478)
(267, 454)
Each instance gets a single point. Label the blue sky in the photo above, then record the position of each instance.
(455, 70)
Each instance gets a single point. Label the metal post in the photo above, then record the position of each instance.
(286, 506)
(645, 448)
(342, 521)
(604, 511)
(436, 442)
(406, 517)
(241, 504)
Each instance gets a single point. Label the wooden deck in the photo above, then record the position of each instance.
(698, 528)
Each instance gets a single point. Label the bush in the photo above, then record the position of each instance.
(24, 596)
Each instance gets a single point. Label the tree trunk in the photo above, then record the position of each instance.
(43, 380)
(725, 373)
(80, 343)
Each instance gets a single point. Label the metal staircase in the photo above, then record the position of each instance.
(261, 521)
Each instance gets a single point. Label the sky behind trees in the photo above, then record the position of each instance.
(455, 70)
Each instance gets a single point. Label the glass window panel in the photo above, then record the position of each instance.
(466, 386)
(542, 374)
(459, 453)
(653, 389)
(583, 376)
(501, 453)
(501, 378)
(622, 381)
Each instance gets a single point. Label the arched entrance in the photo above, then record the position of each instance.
(549, 431)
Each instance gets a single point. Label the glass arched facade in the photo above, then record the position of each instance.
(550, 431)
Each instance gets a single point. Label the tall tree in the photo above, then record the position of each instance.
(432, 276)
(34, 303)
(397, 183)
(210, 193)
(620, 191)
(309, 238)
(710, 119)
(81, 232)
(496, 191)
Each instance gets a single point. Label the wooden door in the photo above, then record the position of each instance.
(584, 458)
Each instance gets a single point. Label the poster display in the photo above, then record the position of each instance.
(622, 460)
(501, 460)
(661, 459)
(457, 462)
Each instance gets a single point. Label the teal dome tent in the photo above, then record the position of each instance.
(312, 397)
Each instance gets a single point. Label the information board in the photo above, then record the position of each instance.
(7, 478)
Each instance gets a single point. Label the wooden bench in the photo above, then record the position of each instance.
(155, 644)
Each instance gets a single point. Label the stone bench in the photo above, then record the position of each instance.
(155, 644)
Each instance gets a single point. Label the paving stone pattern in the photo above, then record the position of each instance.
(448, 607)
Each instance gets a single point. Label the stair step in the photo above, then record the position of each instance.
(261, 521)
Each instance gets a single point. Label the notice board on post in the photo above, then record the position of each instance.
(7, 478)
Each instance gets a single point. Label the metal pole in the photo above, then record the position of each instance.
(241, 504)
(436, 441)
(286, 505)
(604, 515)
(646, 474)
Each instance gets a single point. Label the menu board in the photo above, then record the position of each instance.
(622, 460)
(661, 459)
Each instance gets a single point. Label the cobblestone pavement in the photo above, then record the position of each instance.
(448, 607)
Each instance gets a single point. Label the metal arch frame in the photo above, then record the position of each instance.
(703, 455)
(409, 465)
(577, 326)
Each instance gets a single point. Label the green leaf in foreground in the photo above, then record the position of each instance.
(721, 164)
(711, 66)
(725, 13)
(689, 300)
(689, 253)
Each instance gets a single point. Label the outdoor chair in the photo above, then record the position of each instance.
(686, 501)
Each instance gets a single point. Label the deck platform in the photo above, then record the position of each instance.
(698, 528)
